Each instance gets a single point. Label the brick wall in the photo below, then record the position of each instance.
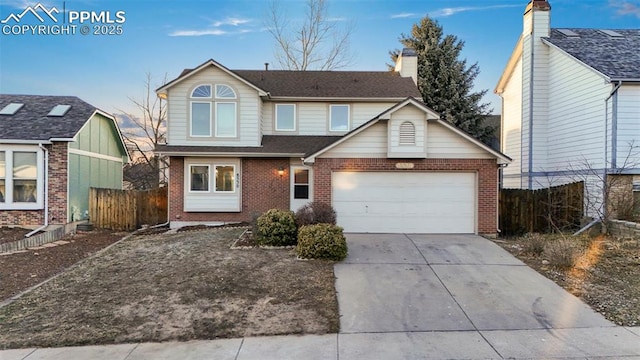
(262, 189)
(487, 180)
(57, 193)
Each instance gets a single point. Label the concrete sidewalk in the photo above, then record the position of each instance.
(417, 297)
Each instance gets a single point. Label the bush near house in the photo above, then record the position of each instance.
(277, 228)
(321, 241)
(315, 212)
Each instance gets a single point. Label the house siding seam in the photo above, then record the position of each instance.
(487, 192)
(262, 189)
(57, 178)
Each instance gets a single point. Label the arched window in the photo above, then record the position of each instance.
(219, 111)
(407, 133)
(202, 91)
(225, 92)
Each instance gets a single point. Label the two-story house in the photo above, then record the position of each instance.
(243, 141)
(571, 106)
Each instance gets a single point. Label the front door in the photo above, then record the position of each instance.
(301, 186)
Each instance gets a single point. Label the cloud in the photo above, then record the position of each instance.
(337, 19)
(231, 21)
(215, 32)
(403, 15)
(444, 12)
(215, 28)
(624, 8)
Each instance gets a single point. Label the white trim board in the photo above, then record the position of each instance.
(94, 155)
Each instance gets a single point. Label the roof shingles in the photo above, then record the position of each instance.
(32, 123)
(271, 144)
(617, 58)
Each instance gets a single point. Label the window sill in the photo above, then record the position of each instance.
(21, 207)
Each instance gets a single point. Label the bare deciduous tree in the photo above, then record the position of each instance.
(142, 132)
(320, 43)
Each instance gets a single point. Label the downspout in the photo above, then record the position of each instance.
(531, 80)
(614, 134)
(46, 192)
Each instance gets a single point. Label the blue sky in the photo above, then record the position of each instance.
(163, 37)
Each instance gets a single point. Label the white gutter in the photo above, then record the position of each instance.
(46, 192)
(26, 142)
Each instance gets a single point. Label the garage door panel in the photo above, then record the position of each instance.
(405, 202)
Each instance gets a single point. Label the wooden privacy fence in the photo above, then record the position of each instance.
(127, 209)
(543, 210)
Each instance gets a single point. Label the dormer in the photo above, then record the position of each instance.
(407, 130)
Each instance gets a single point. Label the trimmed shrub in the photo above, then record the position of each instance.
(276, 228)
(321, 241)
(316, 213)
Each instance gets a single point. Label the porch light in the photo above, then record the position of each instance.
(281, 171)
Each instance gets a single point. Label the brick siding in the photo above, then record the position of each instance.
(57, 193)
(263, 188)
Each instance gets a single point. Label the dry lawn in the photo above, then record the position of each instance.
(181, 286)
(604, 272)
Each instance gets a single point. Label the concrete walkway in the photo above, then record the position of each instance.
(417, 297)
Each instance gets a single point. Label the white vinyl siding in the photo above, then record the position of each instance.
(248, 103)
(370, 143)
(443, 143)
(417, 119)
(224, 192)
(512, 126)
(628, 123)
(313, 117)
(576, 114)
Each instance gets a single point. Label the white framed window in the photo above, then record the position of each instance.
(226, 119)
(200, 119)
(21, 178)
(198, 178)
(209, 115)
(225, 92)
(225, 178)
(202, 92)
(339, 117)
(285, 117)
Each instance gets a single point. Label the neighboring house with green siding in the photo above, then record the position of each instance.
(52, 150)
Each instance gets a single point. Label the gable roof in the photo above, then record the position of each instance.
(31, 122)
(617, 58)
(431, 116)
(315, 84)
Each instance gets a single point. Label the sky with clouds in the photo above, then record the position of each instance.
(164, 37)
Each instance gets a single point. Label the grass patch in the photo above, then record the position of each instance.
(181, 286)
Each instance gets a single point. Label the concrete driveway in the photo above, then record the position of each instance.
(465, 297)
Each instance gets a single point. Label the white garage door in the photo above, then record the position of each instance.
(405, 202)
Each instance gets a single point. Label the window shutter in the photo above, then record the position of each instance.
(407, 133)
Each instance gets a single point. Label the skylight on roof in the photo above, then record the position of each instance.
(568, 33)
(11, 109)
(59, 110)
(611, 33)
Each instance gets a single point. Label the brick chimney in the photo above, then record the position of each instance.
(407, 64)
(537, 19)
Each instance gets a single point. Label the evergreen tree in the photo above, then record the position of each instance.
(444, 80)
